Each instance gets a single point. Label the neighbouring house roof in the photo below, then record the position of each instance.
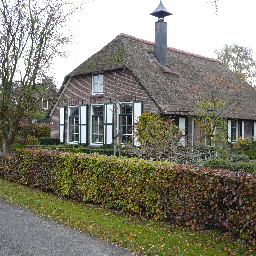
(175, 89)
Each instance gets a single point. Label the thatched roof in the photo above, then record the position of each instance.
(175, 88)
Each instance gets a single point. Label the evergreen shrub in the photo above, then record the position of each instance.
(248, 167)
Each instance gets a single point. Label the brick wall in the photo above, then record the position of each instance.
(248, 129)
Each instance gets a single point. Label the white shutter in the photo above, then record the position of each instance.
(62, 124)
(83, 124)
(137, 111)
(108, 123)
(242, 129)
(182, 126)
(229, 130)
(254, 131)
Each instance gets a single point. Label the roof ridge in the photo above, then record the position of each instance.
(169, 48)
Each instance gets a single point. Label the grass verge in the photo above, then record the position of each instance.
(138, 235)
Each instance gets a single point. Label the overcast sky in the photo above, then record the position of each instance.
(193, 27)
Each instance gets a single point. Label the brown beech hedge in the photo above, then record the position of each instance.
(198, 197)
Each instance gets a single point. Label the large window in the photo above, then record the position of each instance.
(97, 84)
(97, 124)
(125, 122)
(73, 124)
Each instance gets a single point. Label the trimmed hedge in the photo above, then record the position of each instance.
(49, 141)
(76, 149)
(248, 167)
(199, 197)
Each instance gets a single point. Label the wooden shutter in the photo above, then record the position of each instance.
(83, 116)
(62, 124)
(137, 111)
(108, 123)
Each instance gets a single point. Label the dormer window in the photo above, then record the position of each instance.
(97, 84)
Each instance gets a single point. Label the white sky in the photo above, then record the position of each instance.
(193, 27)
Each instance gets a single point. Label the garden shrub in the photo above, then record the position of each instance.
(248, 167)
(199, 197)
(159, 137)
(36, 130)
(242, 144)
(49, 141)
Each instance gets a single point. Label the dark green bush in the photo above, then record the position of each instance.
(248, 167)
(199, 197)
(49, 141)
(35, 130)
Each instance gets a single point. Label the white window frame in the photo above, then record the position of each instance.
(91, 126)
(100, 91)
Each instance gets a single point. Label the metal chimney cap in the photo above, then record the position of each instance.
(160, 11)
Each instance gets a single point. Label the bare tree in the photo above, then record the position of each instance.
(239, 60)
(30, 37)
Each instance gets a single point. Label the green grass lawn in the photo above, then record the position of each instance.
(138, 235)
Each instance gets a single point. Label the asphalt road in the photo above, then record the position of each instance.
(23, 233)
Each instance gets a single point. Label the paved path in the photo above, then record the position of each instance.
(24, 233)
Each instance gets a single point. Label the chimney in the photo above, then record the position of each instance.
(161, 34)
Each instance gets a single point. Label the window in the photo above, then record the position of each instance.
(233, 130)
(125, 122)
(73, 124)
(97, 124)
(44, 104)
(97, 84)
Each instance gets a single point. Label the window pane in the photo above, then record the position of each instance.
(95, 79)
(95, 120)
(126, 109)
(98, 110)
(73, 111)
(123, 120)
(129, 109)
(122, 109)
(123, 129)
(129, 120)
(129, 129)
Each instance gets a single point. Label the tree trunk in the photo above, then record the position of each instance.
(8, 147)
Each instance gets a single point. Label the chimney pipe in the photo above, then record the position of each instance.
(161, 34)
(161, 42)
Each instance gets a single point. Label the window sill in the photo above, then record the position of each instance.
(96, 96)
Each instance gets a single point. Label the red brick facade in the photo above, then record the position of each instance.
(119, 86)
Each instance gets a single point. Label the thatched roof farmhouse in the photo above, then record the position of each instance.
(108, 91)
